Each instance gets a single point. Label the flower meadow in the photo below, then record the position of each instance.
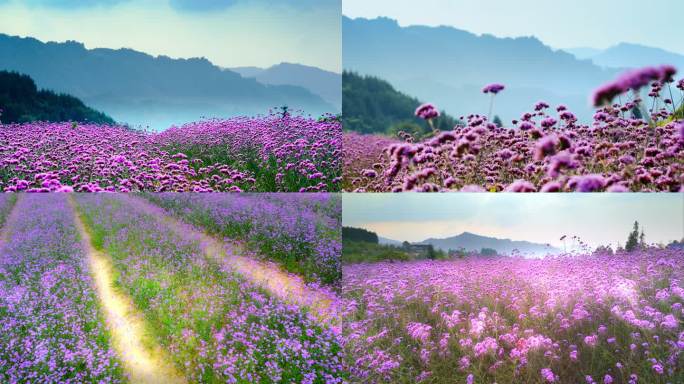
(278, 152)
(595, 318)
(305, 238)
(209, 320)
(216, 325)
(52, 327)
(633, 143)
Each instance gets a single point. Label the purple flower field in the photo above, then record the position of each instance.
(212, 322)
(216, 326)
(632, 144)
(305, 239)
(52, 328)
(269, 153)
(598, 318)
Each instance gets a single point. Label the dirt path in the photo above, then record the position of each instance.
(142, 361)
(287, 287)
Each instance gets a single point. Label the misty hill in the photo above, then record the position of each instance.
(473, 242)
(626, 55)
(21, 101)
(323, 83)
(386, 241)
(140, 89)
(372, 105)
(449, 67)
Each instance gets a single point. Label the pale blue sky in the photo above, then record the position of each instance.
(560, 24)
(603, 218)
(229, 33)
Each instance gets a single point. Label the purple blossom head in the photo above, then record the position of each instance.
(545, 146)
(667, 73)
(521, 186)
(472, 188)
(540, 106)
(493, 88)
(548, 122)
(427, 111)
(588, 183)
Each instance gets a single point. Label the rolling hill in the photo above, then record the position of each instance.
(372, 105)
(141, 89)
(449, 67)
(627, 55)
(323, 83)
(21, 101)
(473, 242)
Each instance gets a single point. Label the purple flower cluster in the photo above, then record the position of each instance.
(300, 231)
(51, 327)
(270, 153)
(493, 88)
(568, 318)
(632, 80)
(543, 151)
(427, 111)
(216, 326)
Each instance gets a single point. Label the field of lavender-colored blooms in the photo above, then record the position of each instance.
(279, 152)
(582, 318)
(84, 275)
(634, 143)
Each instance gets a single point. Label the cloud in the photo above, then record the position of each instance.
(219, 5)
(72, 4)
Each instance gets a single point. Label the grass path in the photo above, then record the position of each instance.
(9, 220)
(143, 360)
(285, 286)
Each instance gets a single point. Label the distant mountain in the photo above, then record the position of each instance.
(21, 101)
(140, 89)
(386, 241)
(626, 55)
(472, 242)
(449, 67)
(325, 84)
(372, 105)
(583, 53)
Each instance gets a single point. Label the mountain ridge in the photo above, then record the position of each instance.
(449, 66)
(629, 55)
(326, 84)
(138, 88)
(475, 242)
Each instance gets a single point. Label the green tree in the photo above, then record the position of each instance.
(431, 254)
(633, 238)
(497, 121)
(372, 105)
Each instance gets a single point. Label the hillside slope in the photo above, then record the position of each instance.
(21, 101)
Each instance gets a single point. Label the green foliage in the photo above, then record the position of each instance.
(366, 252)
(22, 102)
(488, 252)
(372, 105)
(359, 234)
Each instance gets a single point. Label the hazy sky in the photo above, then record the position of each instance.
(560, 24)
(604, 218)
(228, 32)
